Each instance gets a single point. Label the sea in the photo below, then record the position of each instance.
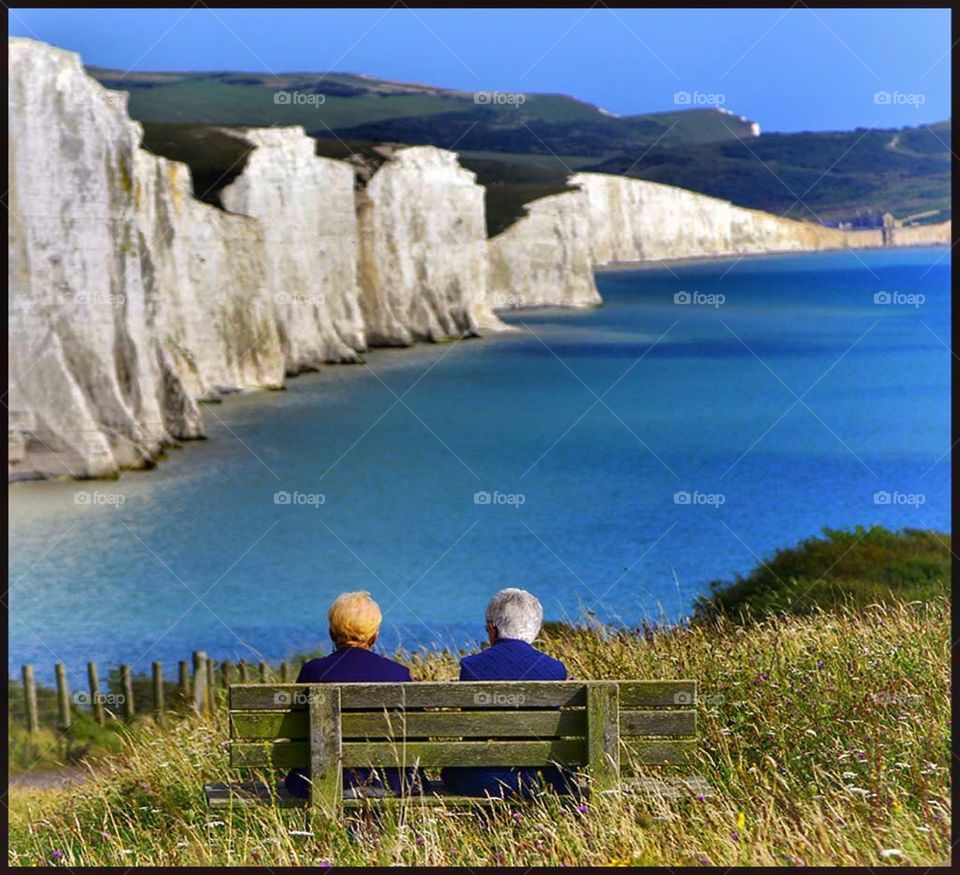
(613, 461)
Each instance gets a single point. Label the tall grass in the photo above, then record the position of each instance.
(825, 739)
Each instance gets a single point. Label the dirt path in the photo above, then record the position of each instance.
(52, 779)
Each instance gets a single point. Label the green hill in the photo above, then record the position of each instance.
(524, 150)
(838, 175)
(357, 107)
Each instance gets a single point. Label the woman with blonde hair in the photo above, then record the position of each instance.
(354, 619)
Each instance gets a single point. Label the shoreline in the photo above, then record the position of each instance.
(627, 266)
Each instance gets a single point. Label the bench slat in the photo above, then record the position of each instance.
(642, 694)
(423, 694)
(645, 752)
(286, 754)
(254, 793)
(467, 724)
(678, 722)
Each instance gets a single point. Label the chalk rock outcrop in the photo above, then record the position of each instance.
(306, 207)
(934, 234)
(638, 220)
(423, 250)
(86, 389)
(129, 299)
(545, 258)
(204, 275)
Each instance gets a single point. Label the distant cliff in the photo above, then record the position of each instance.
(423, 250)
(548, 256)
(131, 300)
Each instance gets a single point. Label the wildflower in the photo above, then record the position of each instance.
(890, 852)
(735, 836)
(819, 663)
(700, 797)
(517, 815)
(57, 855)
(582, 808)
(324, 864)
(741, 820)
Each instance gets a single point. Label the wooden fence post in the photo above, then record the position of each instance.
(211, 685)
(285, 672)
(226, 672)
(126, 682)
(244, 674)
(200, 681)
(158, 708)
(30, 698)
(96, 701)
(264, 672)
(183, 680)
(63, 695)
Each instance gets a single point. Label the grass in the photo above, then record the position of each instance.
(856, 567)
(825, 738)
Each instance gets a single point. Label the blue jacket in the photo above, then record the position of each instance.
(507, 660)
(350, 665)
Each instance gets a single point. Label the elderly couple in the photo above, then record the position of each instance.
(514, 618)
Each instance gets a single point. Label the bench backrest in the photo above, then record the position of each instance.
(603, 726)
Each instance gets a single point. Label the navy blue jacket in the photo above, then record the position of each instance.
(350, 665)
(507, 660)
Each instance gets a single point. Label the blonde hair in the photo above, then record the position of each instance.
(354, 619)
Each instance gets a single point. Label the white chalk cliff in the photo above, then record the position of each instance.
(306, 207)
(548, 256)
(423, 250)
(87, 394)
(203, 273)
(131, 301)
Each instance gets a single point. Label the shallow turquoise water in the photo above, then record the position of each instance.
(696, 399)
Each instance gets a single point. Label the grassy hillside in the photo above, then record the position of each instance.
(357, 107)
(825, 740)
(837, 175)
(857, 568)
(521, 152)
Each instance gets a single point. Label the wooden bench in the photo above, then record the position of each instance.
(605, 730)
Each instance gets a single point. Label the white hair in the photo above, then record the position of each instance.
(515, 613)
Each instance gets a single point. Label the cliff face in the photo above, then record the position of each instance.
(637, 220)
(306, 208)
(204, 276)
(937, 234)
(545, 258)
(423, 250)
(86, 391)
(548, 256)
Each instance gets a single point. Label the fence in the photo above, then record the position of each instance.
(196, 690)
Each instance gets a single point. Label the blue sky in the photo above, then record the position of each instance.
(797, 69)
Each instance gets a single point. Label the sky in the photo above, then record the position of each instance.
(788, 69)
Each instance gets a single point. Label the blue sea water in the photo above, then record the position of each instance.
(613, 461)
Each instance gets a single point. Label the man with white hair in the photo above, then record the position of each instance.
(514, 618)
